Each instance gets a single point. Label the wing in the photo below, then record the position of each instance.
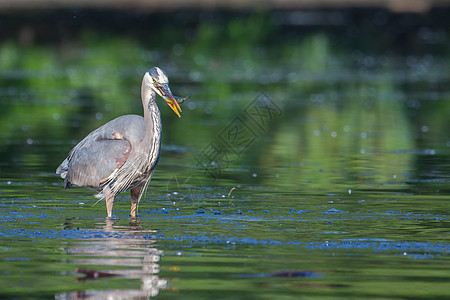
(100, 154)
(92, 165)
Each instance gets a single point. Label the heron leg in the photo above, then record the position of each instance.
(135, 200)
(109, 202)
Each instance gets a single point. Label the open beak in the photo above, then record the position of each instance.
(165, 92)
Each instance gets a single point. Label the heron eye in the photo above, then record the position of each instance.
(154, 80)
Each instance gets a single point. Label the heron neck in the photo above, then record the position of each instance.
(152, 116)
(151, 143)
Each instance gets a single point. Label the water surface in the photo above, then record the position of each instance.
(313, 169)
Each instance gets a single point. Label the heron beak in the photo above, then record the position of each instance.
(166, 94)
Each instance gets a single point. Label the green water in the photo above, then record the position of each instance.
(305, 165)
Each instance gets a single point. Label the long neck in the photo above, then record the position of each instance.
(152, 119)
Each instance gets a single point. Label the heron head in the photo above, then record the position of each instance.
(156, 79)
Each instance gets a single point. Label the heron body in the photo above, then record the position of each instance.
(122, 154)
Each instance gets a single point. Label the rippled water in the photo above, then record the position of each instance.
(325, 177)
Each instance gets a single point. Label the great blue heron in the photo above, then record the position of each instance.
(123, 153)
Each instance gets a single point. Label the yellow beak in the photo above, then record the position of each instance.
(166, 94)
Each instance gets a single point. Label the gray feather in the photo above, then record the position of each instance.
(94, 158)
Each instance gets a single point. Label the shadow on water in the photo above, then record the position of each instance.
(127, 256)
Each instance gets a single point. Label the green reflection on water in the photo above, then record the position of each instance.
(360, 132)
(61, 93)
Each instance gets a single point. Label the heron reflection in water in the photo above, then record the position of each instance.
(122, 154)
(127, 253)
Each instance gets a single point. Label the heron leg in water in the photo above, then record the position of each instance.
(134, 200)
(109, 202)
